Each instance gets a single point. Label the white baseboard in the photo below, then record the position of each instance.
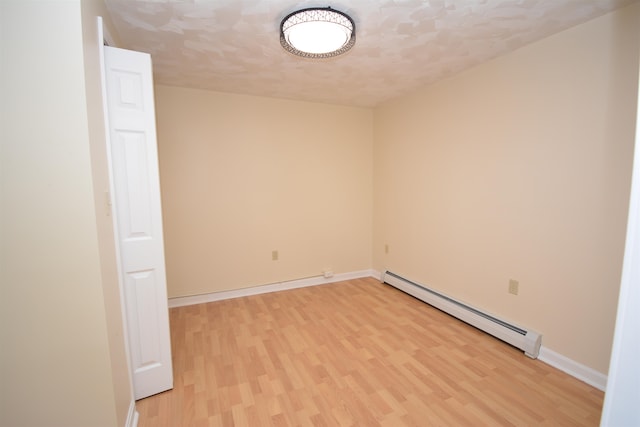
(377, 275)
(132, 418)
(274, 287)
(573, 368)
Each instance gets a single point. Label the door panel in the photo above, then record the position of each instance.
(134, 164)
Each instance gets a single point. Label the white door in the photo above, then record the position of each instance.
(138, 217)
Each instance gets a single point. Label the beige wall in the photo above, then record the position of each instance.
(519, 168)
(57, 361)
(242, 176)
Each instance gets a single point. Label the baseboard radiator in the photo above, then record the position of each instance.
(526, 340)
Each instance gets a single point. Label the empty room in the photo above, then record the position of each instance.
(210, 221)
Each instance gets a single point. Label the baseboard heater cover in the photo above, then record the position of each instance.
(526, 340)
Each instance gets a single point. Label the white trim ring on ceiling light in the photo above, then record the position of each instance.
(317, 32)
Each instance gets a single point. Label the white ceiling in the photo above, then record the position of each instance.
(234, 45)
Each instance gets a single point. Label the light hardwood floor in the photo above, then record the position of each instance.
(354, 353)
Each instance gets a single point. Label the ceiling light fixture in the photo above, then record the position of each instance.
(317, 33)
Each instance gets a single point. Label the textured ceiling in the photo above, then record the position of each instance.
(234, 46)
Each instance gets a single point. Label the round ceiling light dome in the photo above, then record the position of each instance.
(317, 33)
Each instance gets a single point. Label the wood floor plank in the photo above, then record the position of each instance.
(355, 353)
